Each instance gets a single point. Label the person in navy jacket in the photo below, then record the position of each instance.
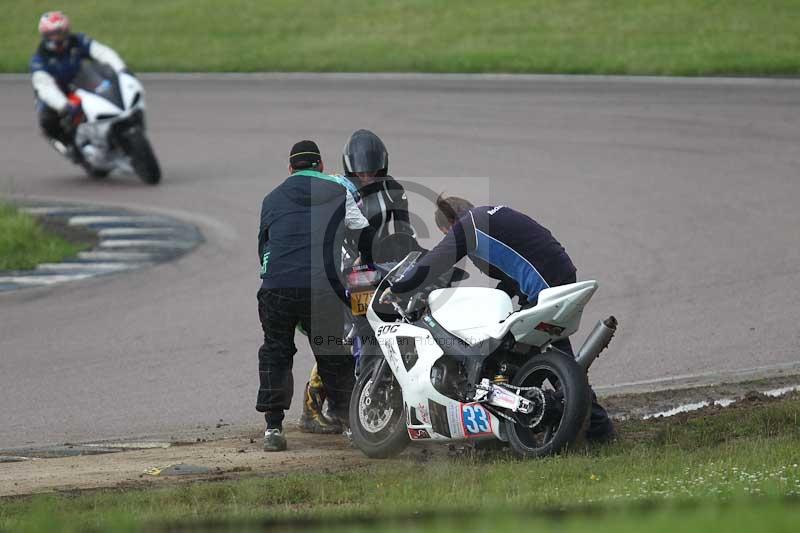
(510, 247)
(303, 224)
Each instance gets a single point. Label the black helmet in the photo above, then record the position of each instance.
(365, 152)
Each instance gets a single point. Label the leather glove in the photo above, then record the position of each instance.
(387, 296)
(74, 112)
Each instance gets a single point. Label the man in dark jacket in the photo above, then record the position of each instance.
(383, 201)
(508, 246)
(303, 223)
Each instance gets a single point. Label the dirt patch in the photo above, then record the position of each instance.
(639, 405)
(654, 429)
(226, 458)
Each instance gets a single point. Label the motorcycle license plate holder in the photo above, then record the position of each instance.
(359, 302)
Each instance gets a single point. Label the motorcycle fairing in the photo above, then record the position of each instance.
(94, 106)
(101, 99)
(557, 307)
(132, 92)
(417, 388)
(470, 312)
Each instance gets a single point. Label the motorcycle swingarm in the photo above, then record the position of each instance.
(497, 396)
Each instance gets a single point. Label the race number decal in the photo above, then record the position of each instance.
(476, 420)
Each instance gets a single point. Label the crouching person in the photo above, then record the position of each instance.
(303, 222)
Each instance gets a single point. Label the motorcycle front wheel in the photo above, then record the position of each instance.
(377, 421)
(567, 400)
(143, 159)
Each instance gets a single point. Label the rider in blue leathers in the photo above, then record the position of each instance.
(55, 64)
(508, 246)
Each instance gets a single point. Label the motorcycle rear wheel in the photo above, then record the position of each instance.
(565, 416)
(378, 423)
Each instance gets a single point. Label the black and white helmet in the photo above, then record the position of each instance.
(365, 152)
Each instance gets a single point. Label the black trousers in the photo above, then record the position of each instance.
(600, 425)
(319, 313)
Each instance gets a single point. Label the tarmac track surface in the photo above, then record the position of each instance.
(680, 197)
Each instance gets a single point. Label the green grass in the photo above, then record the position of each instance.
(741, 465)
(678, 37)
(24, 243)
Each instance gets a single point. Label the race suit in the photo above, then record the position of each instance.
(52, 73)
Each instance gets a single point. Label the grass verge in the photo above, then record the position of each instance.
(680, 37)
(24, 243)
(739, 464)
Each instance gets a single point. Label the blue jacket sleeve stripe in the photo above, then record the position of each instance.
(515, 266)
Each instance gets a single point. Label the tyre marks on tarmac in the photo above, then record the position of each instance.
(126, 240)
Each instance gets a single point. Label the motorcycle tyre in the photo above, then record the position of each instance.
(394, 438)
(573, 422)
(143, 159)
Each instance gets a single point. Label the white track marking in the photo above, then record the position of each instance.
(144, 257)
(55, 210)
(88, 267)
(117, 232)
(44, 279)
(110, 219)
(163, 238)
(145, 243)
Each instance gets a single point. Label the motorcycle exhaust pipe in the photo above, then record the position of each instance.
(596, 342)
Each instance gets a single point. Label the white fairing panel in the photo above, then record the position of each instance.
(94, 105)
(130, 87)
(556, 316)
(470, 313)
(436, 416)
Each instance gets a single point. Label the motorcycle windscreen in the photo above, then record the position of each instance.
(100, 80)
(403, 267)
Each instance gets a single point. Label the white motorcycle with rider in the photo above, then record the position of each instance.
(90, 107)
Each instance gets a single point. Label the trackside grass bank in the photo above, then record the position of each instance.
(24, 243)
(729, 467)
(679, 37)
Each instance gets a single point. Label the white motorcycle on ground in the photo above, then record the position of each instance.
(460, 363)
(110, 134)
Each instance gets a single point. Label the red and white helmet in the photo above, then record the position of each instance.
(53, 23)
(54, 29)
